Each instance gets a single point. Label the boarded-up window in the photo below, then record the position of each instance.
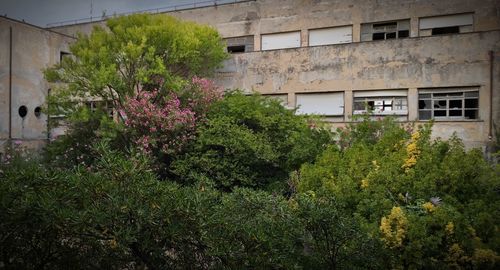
(280, 41)
(460, 23)
(385, 102)
(385, 30)
(320, 103)
(334, 35)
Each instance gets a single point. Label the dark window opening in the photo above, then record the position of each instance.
(62, 55)
(38, 111)
(390, 35)
(391, 24)
(23, 111)
(403, 33)
(236, 49)
(445, 30)
(449, 105)
(378, 36)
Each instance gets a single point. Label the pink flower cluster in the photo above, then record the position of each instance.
(165, 122)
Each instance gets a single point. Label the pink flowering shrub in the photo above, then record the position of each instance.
(163, 123)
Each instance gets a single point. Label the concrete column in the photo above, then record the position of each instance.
(256, 42)
(348, 101)
(291, 100)
(304, 38)
(412, 104)
(356, 32)
(414, 27)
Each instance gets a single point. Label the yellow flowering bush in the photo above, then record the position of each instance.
(412, 152)
(429, 207)
(393, 228)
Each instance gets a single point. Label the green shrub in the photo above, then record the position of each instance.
(388, 174)
(250, 141)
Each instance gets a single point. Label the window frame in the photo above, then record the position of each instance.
(401, 25)
(299, 112)
(448, 95)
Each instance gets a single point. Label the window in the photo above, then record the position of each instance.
(449, 24)
(63, 55)
(282, 98)
(329, 104)
(333, 35)
(280, 41)
(101, 105)
(239, 44)
(450, 104)
(388, 102)
(385, 30)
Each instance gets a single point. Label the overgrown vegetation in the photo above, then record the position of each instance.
(189, 178)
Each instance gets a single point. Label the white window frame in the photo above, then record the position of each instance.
(387, 100)
(330, 35)
(266, 43)
(320, 103)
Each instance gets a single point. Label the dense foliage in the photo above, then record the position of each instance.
(134, 53)
(187, 178)
(250, 141)
(384, 196)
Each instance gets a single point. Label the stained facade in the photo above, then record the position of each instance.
(414, 59)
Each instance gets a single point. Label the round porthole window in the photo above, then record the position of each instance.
(38, 111)
(23, 111)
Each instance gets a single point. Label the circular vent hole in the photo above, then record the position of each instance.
(38, 111)
(23, 111)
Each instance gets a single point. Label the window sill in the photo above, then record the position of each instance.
(451, 120)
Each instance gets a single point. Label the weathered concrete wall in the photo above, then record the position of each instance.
(33, 49)
(441, 61)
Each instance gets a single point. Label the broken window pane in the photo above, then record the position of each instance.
(448, 104)
(455, 104)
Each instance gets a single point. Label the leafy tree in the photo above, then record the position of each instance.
(135, 53)
(250, 141)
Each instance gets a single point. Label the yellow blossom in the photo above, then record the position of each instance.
(450, 228)
(364, 183)
(429, 207)
(412, 152)
(113, 243)
(375, 165)
(393, 228)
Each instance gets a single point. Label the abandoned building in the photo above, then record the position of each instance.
(415, 59)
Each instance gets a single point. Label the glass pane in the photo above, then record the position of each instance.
(424, 104)
(424, 115)
(403, 33)
(456, 94)
(439, 104)
(455, 113)
(471, 114)
(359, 105)
(455, 104)
(378, 36)
(440, 113)
(440, 95)
(420, 96)
(390, 35)
(471, 103)
(472, 94)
